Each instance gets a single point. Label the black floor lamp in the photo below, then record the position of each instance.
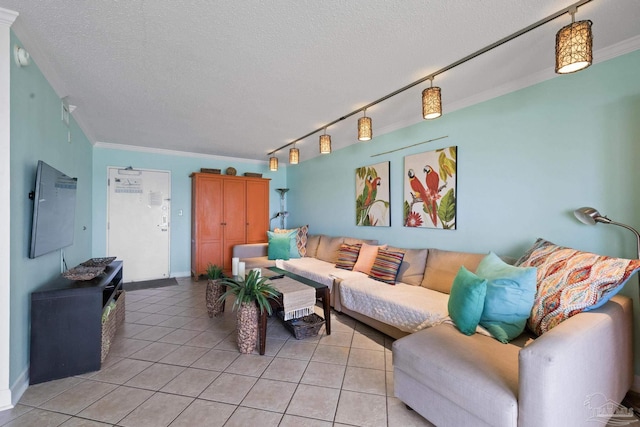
(591, 216)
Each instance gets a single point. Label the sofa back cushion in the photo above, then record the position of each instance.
(413, 265)
(328, 248)
(313, 240)
(442, 267)
(354, 241)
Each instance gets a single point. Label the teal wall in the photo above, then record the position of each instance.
(526, 160)
(38, 133)
(181, 167)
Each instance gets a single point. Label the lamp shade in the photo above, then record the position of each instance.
(431, 103)
(589, 216)
(365, 132)
(325, 144)
(574, 44)
(294, 156)
(273, 163)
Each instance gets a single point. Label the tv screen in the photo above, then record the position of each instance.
(54, 207)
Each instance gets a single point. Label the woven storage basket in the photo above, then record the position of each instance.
(120, 308)
(108, 332)
(305, 327)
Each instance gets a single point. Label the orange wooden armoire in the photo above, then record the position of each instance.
(225, 211)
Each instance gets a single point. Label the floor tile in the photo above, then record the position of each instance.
(285, 370)
(365, 380)
(83, 422)
(314, 402)
(153, 333)
(324, 375)
(207, 339)
(331, 354)
(252, 365)
(368, 342)
(216, 360)
(295, 421)
(153, 319)
(342, 339)
(204, 413)
(175, 322)
(39, 393)
(270, 395)
(179, 336)
(229, 388)
(125, 347)
(158, 411)
(244, 417)
(191, 382)
(366, 359)
(122, 371)
(155, 376)
(184, 356)
(128, 330)
(13, 413)
(293, 349)
(362, 409)
(116, 405)
(154, 351)
(78, 397)
(39, 418)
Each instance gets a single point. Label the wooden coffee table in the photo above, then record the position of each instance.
(322, 293)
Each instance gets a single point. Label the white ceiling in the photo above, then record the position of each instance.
(241, 78)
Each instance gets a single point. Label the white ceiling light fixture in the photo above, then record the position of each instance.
(574, 46)
(21, 56)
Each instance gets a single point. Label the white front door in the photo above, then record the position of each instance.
(138, 221)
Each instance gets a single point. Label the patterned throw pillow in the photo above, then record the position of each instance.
(571, 281)
(385, 267)
(300, 239)
(347, 256)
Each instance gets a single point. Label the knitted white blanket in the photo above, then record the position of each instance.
(298, 299)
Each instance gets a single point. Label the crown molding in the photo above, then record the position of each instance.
(7, 17)
(166, 152)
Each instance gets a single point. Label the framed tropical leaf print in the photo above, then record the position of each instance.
(372, 195)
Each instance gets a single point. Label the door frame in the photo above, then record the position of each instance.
(170, 216)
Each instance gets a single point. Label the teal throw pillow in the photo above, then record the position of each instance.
(510, 294)
(279, 245)
(466, 300)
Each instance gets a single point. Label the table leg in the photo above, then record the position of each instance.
(327, 310)
(262, 331)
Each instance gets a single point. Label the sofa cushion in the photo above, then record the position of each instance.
(571, 281)
(299, 243)
(328, 248)
(408, 308)
(279, 245)
(474, 370)
(386, 265)
(467, 300)
(347, 256)
(312, 245)
(353, 241)
(367, 257)
(413, 265)
(442, 267)
(319, 271)
(510, 294)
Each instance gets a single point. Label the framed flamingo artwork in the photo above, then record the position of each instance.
(372, 195)
(430, 189)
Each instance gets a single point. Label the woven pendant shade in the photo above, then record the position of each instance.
(574, 44)
(325, 144)
(273, 163)
(294, 156)
(365, 131)
(431, 103)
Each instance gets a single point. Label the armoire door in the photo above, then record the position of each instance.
(234, 218)
(207, 219)
(257, 211)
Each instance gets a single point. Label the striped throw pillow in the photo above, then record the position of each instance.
(385, 267)
(347, 255)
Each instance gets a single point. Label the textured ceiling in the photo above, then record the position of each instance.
(242, 78)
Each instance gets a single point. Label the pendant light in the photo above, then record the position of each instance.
(431, 102)
(294, 155)
(365, 131)
(273, 163)
(574, 45)
(325, 143)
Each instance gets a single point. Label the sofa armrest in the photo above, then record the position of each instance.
(250, 250)
(579, 366)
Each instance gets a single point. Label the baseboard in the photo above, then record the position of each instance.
(20, 386)
(5, 400)
(181, 274)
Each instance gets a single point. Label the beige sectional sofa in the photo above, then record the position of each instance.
(453, 379)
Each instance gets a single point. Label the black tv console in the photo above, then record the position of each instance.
(66, 324)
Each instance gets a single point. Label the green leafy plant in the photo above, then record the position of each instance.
(252, 289)
(214, 272)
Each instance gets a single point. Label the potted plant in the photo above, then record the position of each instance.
(214, 290)
(252, 298)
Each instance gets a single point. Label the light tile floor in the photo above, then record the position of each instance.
(171, 365)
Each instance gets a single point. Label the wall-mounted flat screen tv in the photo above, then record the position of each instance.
(54, 207)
